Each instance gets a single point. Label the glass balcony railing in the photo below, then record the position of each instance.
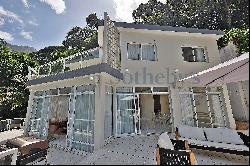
(80, 60)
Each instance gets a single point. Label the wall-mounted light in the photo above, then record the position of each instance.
(126, 70)
(176, 70)
(94, 78)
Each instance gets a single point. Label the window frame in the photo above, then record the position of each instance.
(207, 92)
(194, 57)
(140, 58)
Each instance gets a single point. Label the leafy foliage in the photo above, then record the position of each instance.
(48, 54)
(92, 21)
(74, 38)
(219, 14)
(239, 37)
(83, 38)
(13, 71)
(77, 40)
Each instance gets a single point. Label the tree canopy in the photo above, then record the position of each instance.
(83, 38)
(48, 54)
(13, 92)
(239, 37)
(78, 39)
(210, 14)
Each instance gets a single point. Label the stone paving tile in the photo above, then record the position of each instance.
(126, 151)
(57, 156)
(137, 150)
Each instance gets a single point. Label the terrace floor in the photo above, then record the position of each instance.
(137, 150)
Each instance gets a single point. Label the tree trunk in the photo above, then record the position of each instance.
(229, 20)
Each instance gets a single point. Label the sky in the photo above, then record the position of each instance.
(41, 23)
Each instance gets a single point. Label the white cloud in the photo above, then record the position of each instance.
(6, 36)
(57, 5)
(124, 8)
(10, 15)
(2, 21)
(33, 23)
(25, 3)
(26, 35)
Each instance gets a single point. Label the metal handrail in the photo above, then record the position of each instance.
(36, 71)
(69, 57)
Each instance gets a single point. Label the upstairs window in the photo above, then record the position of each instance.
(141, 51)
(134, 51)
(194, 54)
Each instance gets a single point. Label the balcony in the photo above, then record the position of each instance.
(104, 59)
(74, 62)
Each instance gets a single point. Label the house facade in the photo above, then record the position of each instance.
(128, 85)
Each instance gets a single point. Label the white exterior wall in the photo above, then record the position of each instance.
(169, 58)
(169, 55)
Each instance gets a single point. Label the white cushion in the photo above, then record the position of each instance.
(217, 145)
(223, 135)
(165, 142)
(191, 132)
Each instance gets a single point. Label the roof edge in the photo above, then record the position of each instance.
(164, 28)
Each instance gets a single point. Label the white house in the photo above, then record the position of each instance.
(128, 85)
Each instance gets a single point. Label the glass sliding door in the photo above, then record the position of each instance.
(217, 110)
(202, 110)
(71, 113)
(59, 106)
(82, 129)
(203, 107)
(39, 117)
(35, 119)
(187, 109)
(127, 114)
(44, 123)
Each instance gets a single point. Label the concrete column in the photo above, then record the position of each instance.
(229, 111)
(99, 113)
(244, 96)
(176, 108)
(114, 110)
(29, 111)
(235, 100)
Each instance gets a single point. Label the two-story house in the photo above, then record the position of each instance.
(128, 85)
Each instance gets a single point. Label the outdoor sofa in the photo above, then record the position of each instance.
(30, 149)
(214, 139)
